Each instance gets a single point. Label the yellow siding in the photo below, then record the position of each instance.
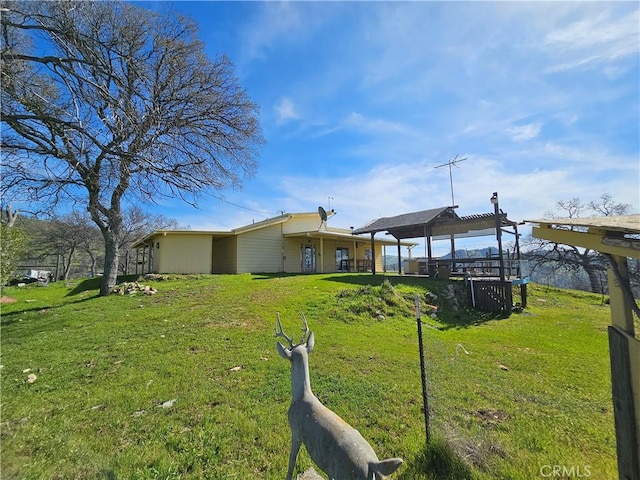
(183, 254)
(292, 255)
(329, 259)
(304, 223)
(260, 250)
(330, 247)
(263, 249)
(225, 253)
(378, 258)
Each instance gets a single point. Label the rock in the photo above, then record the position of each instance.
(31, 378)
(168, 403)
(309, 474)
(236, 368)
(132, 288)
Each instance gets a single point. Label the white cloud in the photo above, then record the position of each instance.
(594, 40)
(286, 110)
(274, 20)
(416, 79)
(524, 132)
(377, 125)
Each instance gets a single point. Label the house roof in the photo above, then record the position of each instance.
(404, 221)
(341, 234)
(325, 232)
(275, 221)
(437, 222)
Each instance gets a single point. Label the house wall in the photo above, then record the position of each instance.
(260, 250)
(225, 253)
(329, 259)
(263, 249)
(364, 245)
(182, 254)
(330, 247)
(378, 259)
(305, 223)
(293, 255)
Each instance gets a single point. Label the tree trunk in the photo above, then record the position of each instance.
(94, 263)
(65, 268)
(11, 216)
(67, 264)
(111, 261)
(595, 280)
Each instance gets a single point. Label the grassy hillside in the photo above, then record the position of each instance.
(187, 383)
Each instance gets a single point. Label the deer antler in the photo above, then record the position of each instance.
(305, 330)
(279, 332)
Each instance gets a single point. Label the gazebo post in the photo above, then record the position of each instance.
(624, 354)
(429, 252)
(496, 208)
(607, 235)
(373, 254)
(523, 286)
(399, 259)
(453, 253)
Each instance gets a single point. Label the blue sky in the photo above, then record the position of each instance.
(359, 101)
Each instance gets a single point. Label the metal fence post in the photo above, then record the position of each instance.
(423, 374)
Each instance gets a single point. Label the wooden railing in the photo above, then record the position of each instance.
(491, 295)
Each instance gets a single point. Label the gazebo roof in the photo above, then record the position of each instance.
(435, 222)
(615, 235)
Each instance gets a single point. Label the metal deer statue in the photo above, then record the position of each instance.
(336, 447)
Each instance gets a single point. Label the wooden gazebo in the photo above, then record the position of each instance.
(436, 223)
(445, 223)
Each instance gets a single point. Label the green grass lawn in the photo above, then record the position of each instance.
(188, 384)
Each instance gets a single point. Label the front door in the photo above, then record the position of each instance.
(308, 258)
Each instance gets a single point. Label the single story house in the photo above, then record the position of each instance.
(288, 243)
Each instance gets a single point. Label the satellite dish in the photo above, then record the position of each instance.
(323, 214)
(323, 217)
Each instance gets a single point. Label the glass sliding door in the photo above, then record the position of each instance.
(342, 259)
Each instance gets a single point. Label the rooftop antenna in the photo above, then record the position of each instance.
(454, 161)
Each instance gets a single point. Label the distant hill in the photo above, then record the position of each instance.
(556, 275)
(474, 253)
(391, 261)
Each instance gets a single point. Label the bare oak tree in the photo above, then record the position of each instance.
(64, 239)
(106, 103)
(572, 259)
(12, 243)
